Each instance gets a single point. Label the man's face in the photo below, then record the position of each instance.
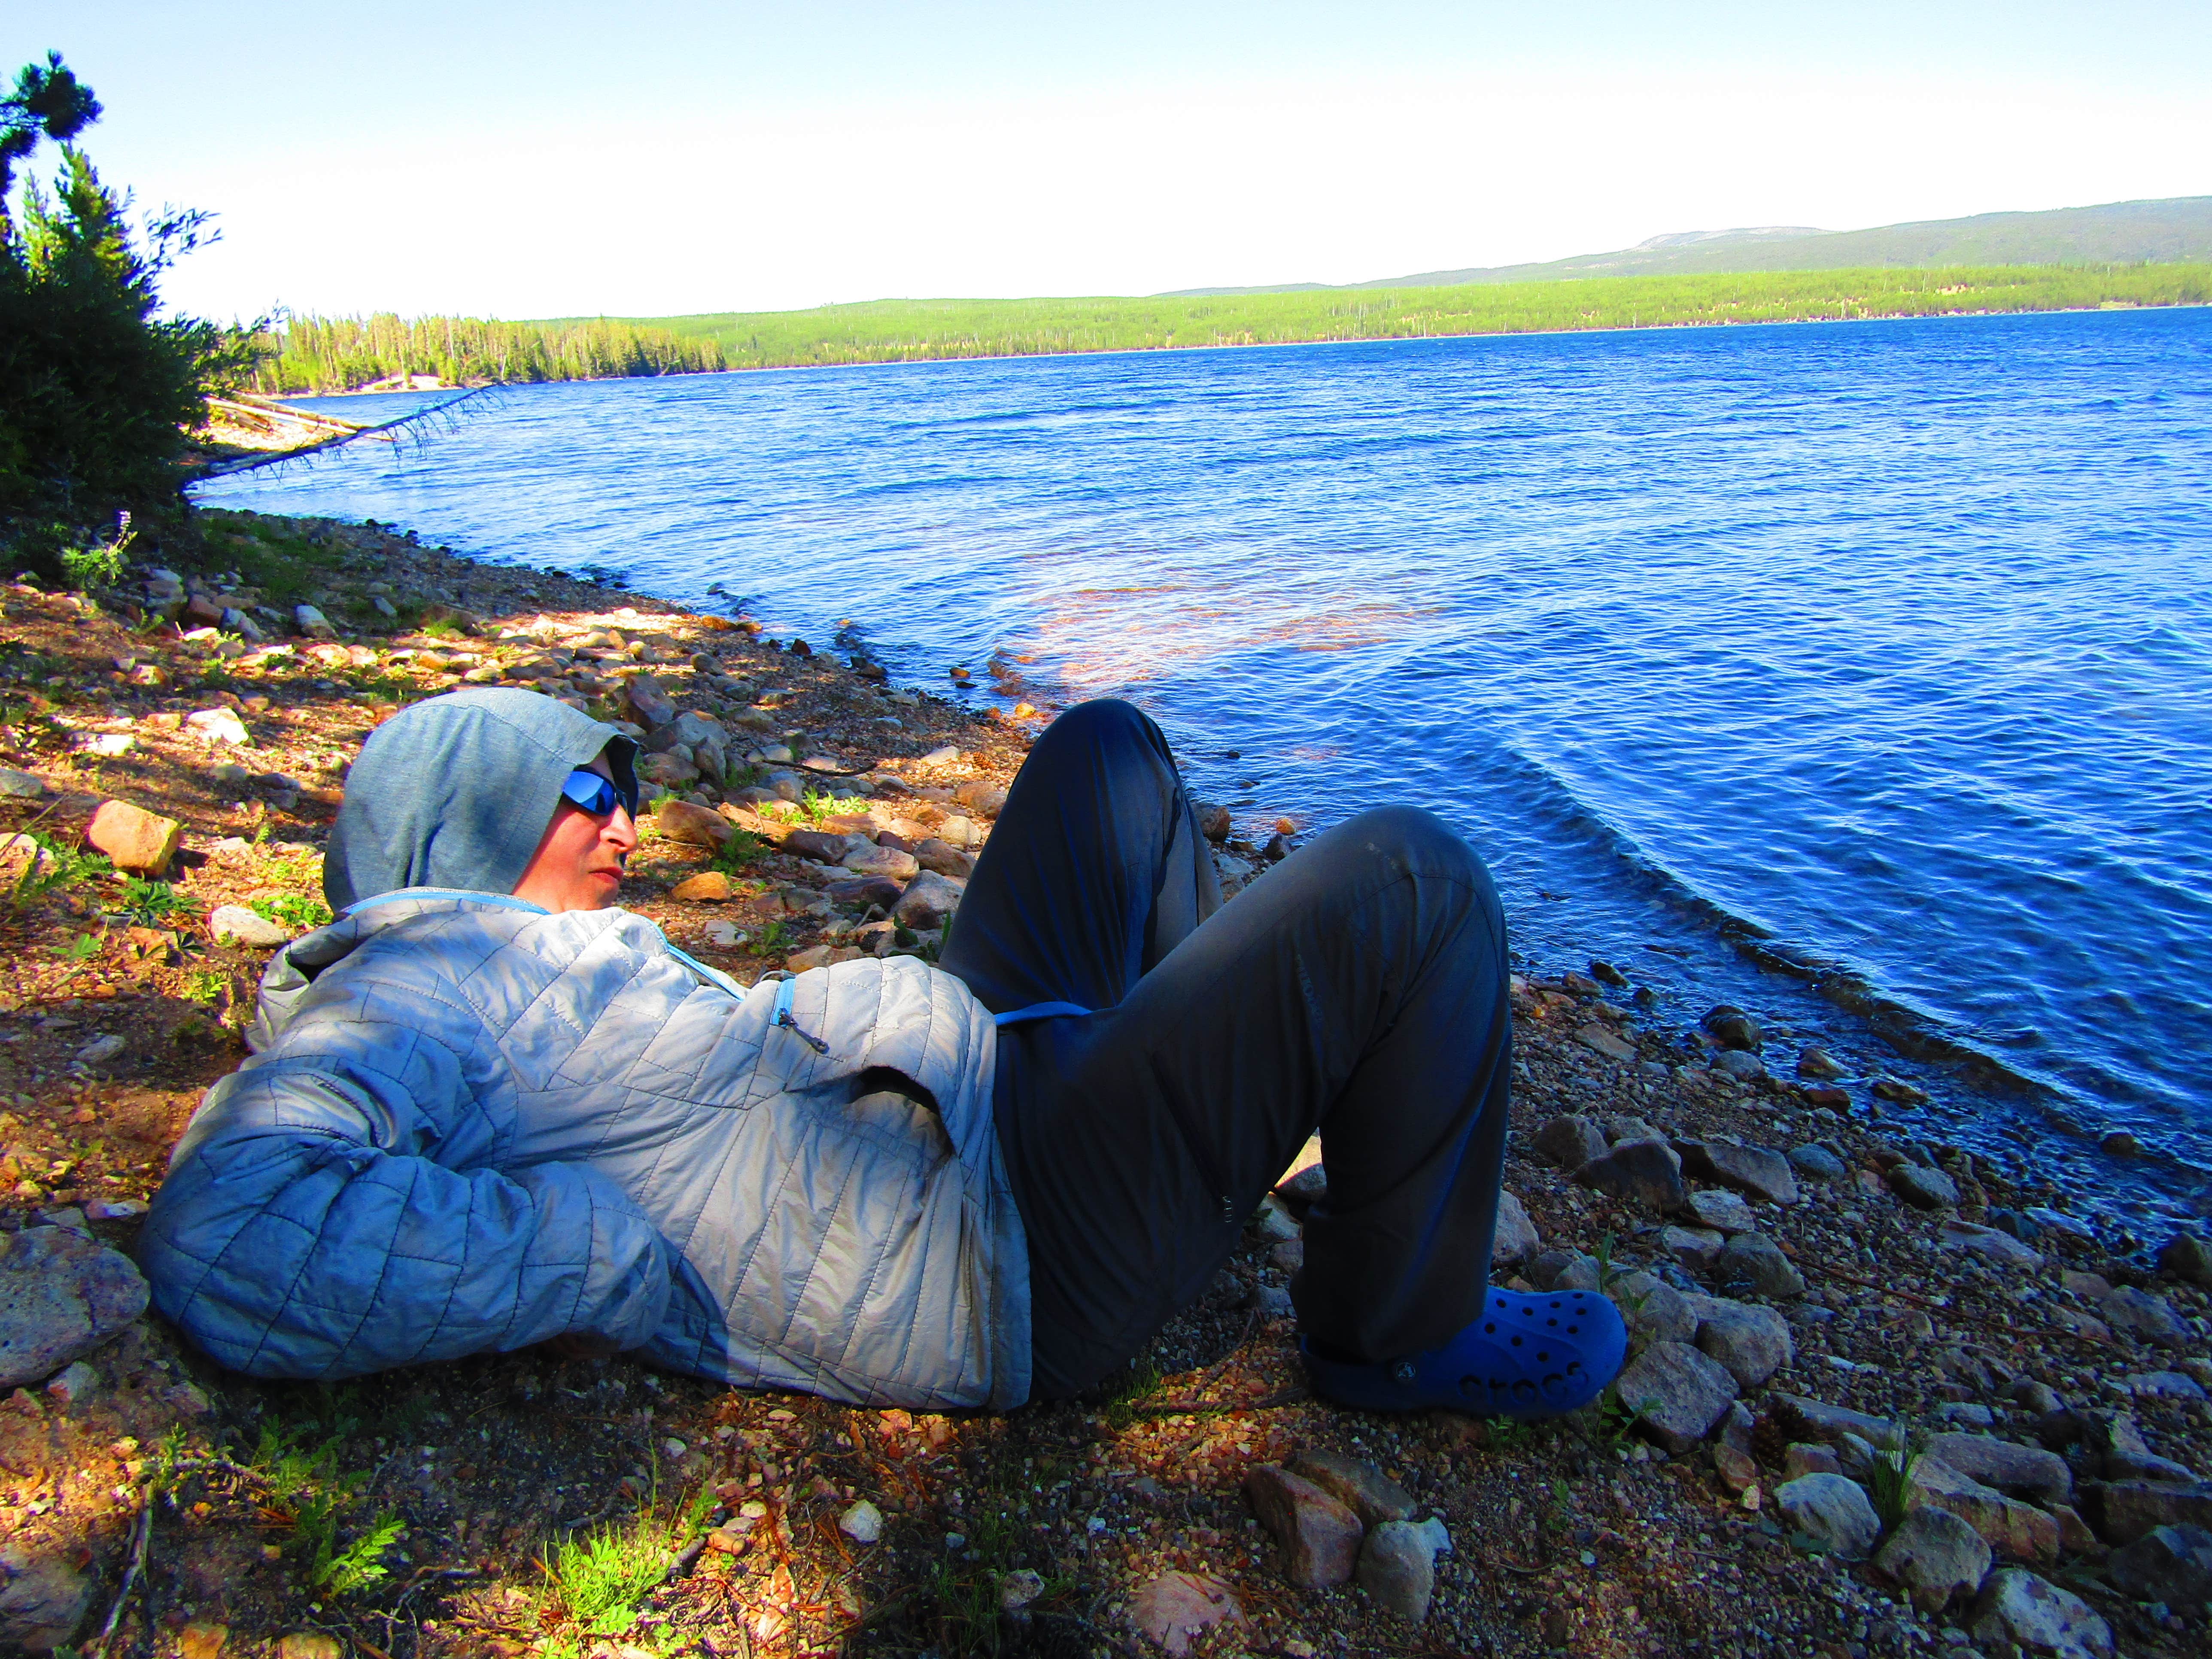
(578, 865)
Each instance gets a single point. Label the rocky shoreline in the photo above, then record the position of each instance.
(1887, 1397)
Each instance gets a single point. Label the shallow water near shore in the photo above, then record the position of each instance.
(1881, 652)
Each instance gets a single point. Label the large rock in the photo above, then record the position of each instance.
(139, 841)
(1754, 1262)
(1923, 1186)
(1816, 1162)
(2146, 1317)
(1991, 1244)
(1319, 1536)
(1695, 1248)
(1753, 1169)
(1569, 1141)
(928, 901)
(1371, 1495)
(2172, 1564)
(234, 924)
(1398, 1567)
(1724, 1212)
(1750, 1342)
(1676, 1392)
(2186, 1256)
(2017, 1531)
(695, 826)
(2124, 1510)
(2047, 1622)
(2026, 1472)
(1515, 1239)
(1935, 1556)
(1733, 1027)
(945, 858)
(1645, 1172)
(42, 1600)
(824, 845)
(20, 786)
(1176, 1606)
(1653, 1310)
(1832, 1510)
(61, 1295)
(1805, 1418)
(883, 861)
(649, 705)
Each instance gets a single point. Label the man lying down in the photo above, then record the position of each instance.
(487, 1108)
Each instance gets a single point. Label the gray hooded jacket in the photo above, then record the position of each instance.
(470, 1125)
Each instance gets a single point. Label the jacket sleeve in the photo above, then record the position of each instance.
(332, 1211)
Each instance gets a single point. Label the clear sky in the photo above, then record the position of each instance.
(661, 156)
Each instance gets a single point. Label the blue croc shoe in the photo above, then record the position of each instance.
(1526, 1357)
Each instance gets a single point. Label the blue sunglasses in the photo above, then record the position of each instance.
(588, 791)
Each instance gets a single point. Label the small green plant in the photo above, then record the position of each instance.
(444, 628)
(151, 903)
(739, 853)
(102, 565)
(82, 948)
(602, 1579)
(205, 984)
(1140, 1384)
(1558, 1512)
(1617, 1418)
(307, 1491)
(56, 867)
(292, 910)
(773, 937)
(1609, 1271)
(1889, 1474)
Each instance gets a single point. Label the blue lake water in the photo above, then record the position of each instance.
(1879, 653)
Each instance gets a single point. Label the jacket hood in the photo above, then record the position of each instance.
(456, 791)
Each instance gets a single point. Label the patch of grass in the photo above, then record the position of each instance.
(601, 1581)
(739, 853)
(292, 910)
(967, 1611)
(1889, 1479)
(1140, 1384)
(286, 565)
(206, 984)
(62, 866)
(771, 941)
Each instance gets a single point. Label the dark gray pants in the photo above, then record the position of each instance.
(1358, 988)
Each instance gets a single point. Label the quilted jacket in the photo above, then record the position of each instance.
(471, 1124)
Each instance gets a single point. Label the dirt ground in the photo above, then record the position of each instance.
(528, 1502)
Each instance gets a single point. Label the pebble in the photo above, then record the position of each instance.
(220, 726)
(1802, 1458)
(2139, 1313)
(2001, 1248)
(1937, 1558)
(863, 1522)
(20, 786)
(2024, 1471)
(1833, 1510)
(61, 1294)
(1740, 1063)
(101, 1050)
(234, 924)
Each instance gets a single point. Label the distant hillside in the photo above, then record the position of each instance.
(2176, 230)
(913, 331)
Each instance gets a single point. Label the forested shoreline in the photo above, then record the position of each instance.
(313, 354)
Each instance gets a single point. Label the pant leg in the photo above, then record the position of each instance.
(1360, 987)
(1094, 871)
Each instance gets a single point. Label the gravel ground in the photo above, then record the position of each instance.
(728, 1524)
